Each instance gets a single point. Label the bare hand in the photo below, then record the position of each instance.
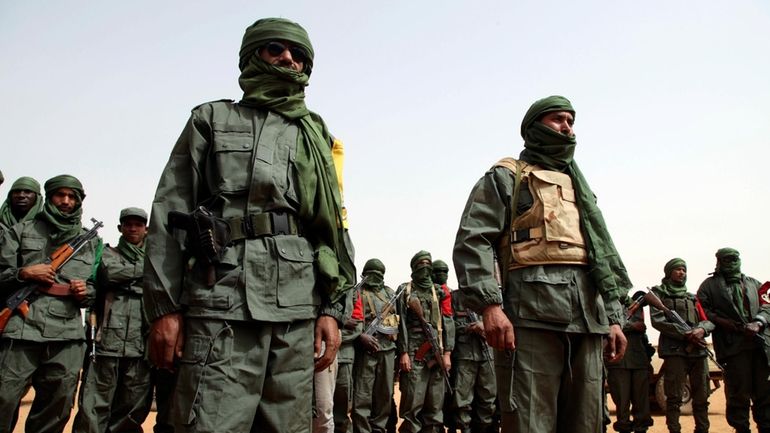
(41, 273)
(448, 361)
(369, 342)
(752, 328)
(616, 344)
(326, 330)
(498, 328)
(476, 328)
(696, 337)
(404, 363)
(166, 341)
(78, 289)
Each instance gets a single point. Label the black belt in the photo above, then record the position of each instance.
(263, 224)
(524, 235)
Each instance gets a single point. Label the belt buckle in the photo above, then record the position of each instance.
(280, 221)
(248, 227)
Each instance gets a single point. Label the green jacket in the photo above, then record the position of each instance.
(410, 332)
(50, 318)
(122, 325)
(237, 161)
(672, 340)
(555, 297)
(718, 305)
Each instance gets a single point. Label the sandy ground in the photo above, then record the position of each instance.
(716, 415)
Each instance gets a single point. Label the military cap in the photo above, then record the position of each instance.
(133, 212)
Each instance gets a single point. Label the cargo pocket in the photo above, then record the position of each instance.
(545, 297)
(504, 373)
(113, 333)
(296, 274)
(232, 151)
(61, 313)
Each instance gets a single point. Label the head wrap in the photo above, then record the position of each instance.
(271, 29)
(440, 272)
(64, 227)
(669, 287)
(7, 218)
(282, 91)
(440, 265)
(421, 272)
(374, 273)
(730, 271)
(374, 265)
(553, 150)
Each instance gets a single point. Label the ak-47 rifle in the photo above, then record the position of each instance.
(672, 316)
(432, 343)
(376, 324)
(21, 298)
(473, 317)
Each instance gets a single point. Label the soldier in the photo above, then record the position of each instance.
(423, 365)
(375, 354)
(343, 388)
(46, 347)
(265, 262)
(734, 303)
(116, 391)
(22, 204)
(682, 349)
(629, 379)
(562, 278)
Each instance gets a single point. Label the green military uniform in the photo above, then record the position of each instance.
(560, 310)
(373, 372)
(7, 217)
(116, 392)
(682, 359)
(731, 300)
(264, 166)
(422, 388)
(343, 389)
(46, 348)
(629, 379)
(475, 387)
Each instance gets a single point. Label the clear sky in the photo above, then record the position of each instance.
(672, 100)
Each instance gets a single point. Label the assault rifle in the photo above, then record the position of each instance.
(21, 298)
(376, 324)
(672, 316)
(432, 343)
(473, 317)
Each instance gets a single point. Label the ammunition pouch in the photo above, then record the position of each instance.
(207, 235)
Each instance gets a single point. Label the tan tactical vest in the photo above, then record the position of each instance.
(549, 231)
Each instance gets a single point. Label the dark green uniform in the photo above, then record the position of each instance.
(7, 216)
(422, 388)
(731, 300)
(629, 379)
(116, 392)
(343, 389)
(560, 311)
(46, 348)
(475, 388)
(263, 165)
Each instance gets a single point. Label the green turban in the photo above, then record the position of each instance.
(673, 264)
(374, 265)
(270, 29)
(7, 218)
(64, 181)
(440, 266)
(543, 106)
(440, 272)
(730, 270)
(422, 255)
(25, 183)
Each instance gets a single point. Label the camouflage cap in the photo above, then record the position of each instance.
(133, 212)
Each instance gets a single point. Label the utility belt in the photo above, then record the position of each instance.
(256, 225)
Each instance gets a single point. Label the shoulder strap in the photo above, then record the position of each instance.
(517, 168)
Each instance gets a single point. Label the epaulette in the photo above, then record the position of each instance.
(211, 102)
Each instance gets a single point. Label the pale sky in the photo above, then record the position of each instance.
(672, 101)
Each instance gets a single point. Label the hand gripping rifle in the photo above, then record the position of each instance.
(20, 299)
(432, 343)
(376, 324)
(672, 316)
(473, 317)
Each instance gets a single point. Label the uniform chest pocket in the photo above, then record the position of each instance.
(232, 151)
(32, 249)
(296, 274)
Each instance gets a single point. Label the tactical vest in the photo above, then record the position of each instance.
(549, 231)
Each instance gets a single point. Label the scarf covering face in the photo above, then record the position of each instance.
(132, 253)
(282, 91)
(22, 183)
(374, 273)
(670, 288)
(440, 272)
(731, 272)
(421, 271)
(553, 150)
(65, 226)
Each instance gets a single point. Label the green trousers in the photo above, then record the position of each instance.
(343, 397)
(630, 390)
(746, 382)
(475, 390)
(372, 390)
(115, 396)
(52, 368)
(677, 369)
(422, 398)
(555, 385)
(241, 376)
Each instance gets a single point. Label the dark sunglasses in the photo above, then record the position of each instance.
(276, 48)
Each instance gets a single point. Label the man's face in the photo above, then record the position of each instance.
(284, 54)
(133, 229)
(678, 274)
(65, 200)
(560, 121)
(22, 200)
